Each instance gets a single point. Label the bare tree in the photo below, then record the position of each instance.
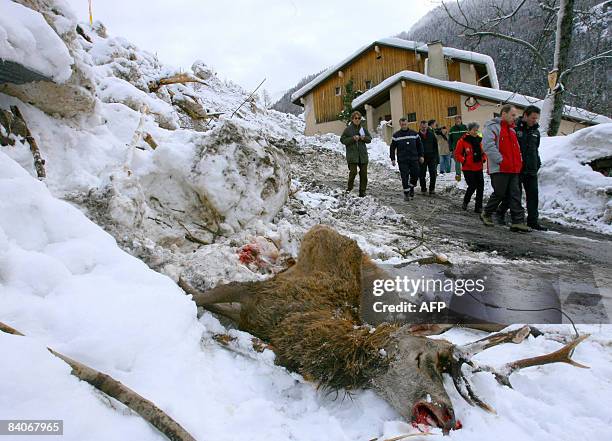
(266, 99)
(560, 70)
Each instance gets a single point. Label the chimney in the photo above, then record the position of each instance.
(436, 64)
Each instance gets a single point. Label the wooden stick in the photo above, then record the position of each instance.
(248, 98)
(39, 162)
(115, 389)
(183, 78)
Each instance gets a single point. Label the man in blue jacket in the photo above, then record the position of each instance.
(407, 146)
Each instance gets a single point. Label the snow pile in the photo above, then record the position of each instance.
(570, 190)
(200, 181)
(27, 39)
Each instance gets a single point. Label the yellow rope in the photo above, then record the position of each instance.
(90, 14)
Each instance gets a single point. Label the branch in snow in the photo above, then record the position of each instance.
(114, 389)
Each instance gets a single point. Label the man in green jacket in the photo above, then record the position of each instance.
(456, 132)
(355, 137)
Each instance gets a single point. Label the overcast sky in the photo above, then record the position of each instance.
(248, 40)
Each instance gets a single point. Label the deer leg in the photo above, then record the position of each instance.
(235, 292)
(229, 310)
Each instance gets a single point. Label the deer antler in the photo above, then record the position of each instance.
(463, 354)
(562, 355)
(515, 336)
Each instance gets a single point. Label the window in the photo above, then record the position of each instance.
(368, 84)
(338, 91)
(411, 117)
(452, 111)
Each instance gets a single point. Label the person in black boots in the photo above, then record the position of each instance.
(528, 134)
(504, 164)
(406, 145)
(470, 154)
(431, 158)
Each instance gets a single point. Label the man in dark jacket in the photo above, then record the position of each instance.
(504, 165)
(406, 145)
(528, 134)
(431, 158)
(355, 137)
(455, 134)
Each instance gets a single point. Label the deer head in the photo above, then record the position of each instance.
(413, 384)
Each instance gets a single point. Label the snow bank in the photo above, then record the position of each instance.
(27, 39)
(570, 190)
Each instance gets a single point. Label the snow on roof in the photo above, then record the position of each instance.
(472, 57)
(478, 91)
(27, 39)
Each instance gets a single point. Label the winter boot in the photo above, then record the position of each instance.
(406, 195)
(486, 219)
(520, 228)
(500, 219)
(464, 206)
(411, 191)
(537, 227)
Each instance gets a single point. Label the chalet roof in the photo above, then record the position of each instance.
(476, 91)
(450, 52)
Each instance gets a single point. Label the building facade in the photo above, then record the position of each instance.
(323, 98)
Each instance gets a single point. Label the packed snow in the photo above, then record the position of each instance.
(570, 190)
(89, 259)
(27, 39)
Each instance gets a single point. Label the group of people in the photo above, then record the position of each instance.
(507, 145)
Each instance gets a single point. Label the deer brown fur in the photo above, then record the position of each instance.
(309, 314)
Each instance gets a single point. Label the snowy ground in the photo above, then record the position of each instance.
(190, 206)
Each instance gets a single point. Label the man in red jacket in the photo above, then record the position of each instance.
(504, 166)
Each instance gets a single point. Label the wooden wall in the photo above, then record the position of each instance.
(430, 102)
(365, 67)
(454, 71)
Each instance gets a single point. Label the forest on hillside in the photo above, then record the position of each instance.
(587, 87)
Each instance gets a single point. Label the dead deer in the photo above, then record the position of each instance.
(309, 315)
